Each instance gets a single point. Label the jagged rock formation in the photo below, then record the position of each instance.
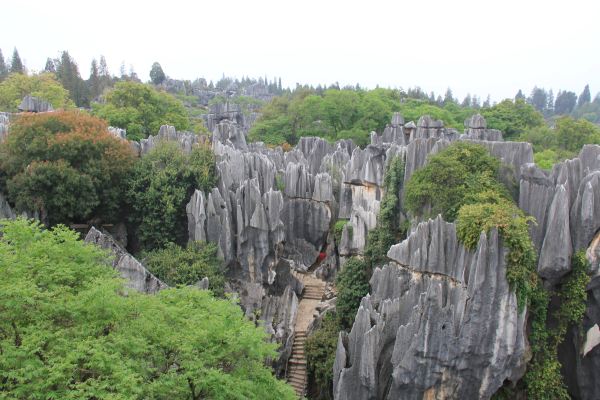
(6, 212)
(566, 206)
(34, 104)
(168, 133)
(117, 132)
(229, 112)
(136, 275)
(4, 121)
(441, 322)
(476, 128)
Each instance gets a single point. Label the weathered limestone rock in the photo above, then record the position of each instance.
(136, 275)
(441, 322)
(185, 139)
(555, 256)
(227, 132)
(117, 132)
(4, 122)
(6, 211)
(476, 128)
(35, 105)
(196, 213)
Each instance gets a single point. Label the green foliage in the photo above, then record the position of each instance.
(497, 212)
(160, 186)
(177, 265)
(563, 141)
(70, 330)
(66, 165)
(157, 75)
(388, 230)
(352, 284)
(338, 229)
(44, 86)
(320, 354)
(336, 114)
(512, 117)
(452, 114)
(141, 110)
(455, 176)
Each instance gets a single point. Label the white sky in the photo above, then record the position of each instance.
(478, 47)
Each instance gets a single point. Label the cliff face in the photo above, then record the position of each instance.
(440, 322)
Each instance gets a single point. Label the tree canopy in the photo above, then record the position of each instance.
(44, 86)
(70, 330)
(157, 75)
(141, 110)
(65, 165)
(512, 117)
(160, 186)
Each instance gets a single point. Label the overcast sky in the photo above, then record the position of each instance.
(478, 47)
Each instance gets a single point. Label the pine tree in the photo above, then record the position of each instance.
(584, 97)
(16, 66)
(279, 86)
(50, 67)
(3, 69)
(94, 81)
(519, 95)
(467, 101)
(487, 102)
(550, 105)
(103, 69)
(448, 96)
(67, 73)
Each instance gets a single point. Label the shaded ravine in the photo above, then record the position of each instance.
(314, 289)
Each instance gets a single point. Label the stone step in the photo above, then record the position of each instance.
(297, 369)
(298, 362)
(296, 379)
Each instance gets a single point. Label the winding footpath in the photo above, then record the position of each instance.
(314, 289)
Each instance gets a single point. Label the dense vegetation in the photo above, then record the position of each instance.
(176, 265)
(141, 110)
(70, 330)
(160, 186)
(66, 166)
(458, 175)
(44, 85)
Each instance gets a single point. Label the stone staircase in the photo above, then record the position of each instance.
(314, 289)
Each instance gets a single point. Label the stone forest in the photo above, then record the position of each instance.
(191, 240)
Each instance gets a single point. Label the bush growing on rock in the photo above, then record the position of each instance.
(159, 187)
(455, 176)
(66, 165)
(70, 330)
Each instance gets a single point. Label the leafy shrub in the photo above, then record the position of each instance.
(352, 284)
(160, 186)
(320, 355)
(141, 110)
(453, 177)
(338, 229)
(66, 165)
(69, 332)
(177, 265)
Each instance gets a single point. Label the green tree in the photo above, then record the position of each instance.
(565, 102)
(66, 165)
(94, 83)
(157, 75)
(67, 73)
(584, 97)
(512, 117)
(50, 66)
(3, 68)
(573, 134)
(320, 355)
(44, 86)
(160, 186)
(176, 265)
(70, 330)
(16, 65)
(141, 110)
